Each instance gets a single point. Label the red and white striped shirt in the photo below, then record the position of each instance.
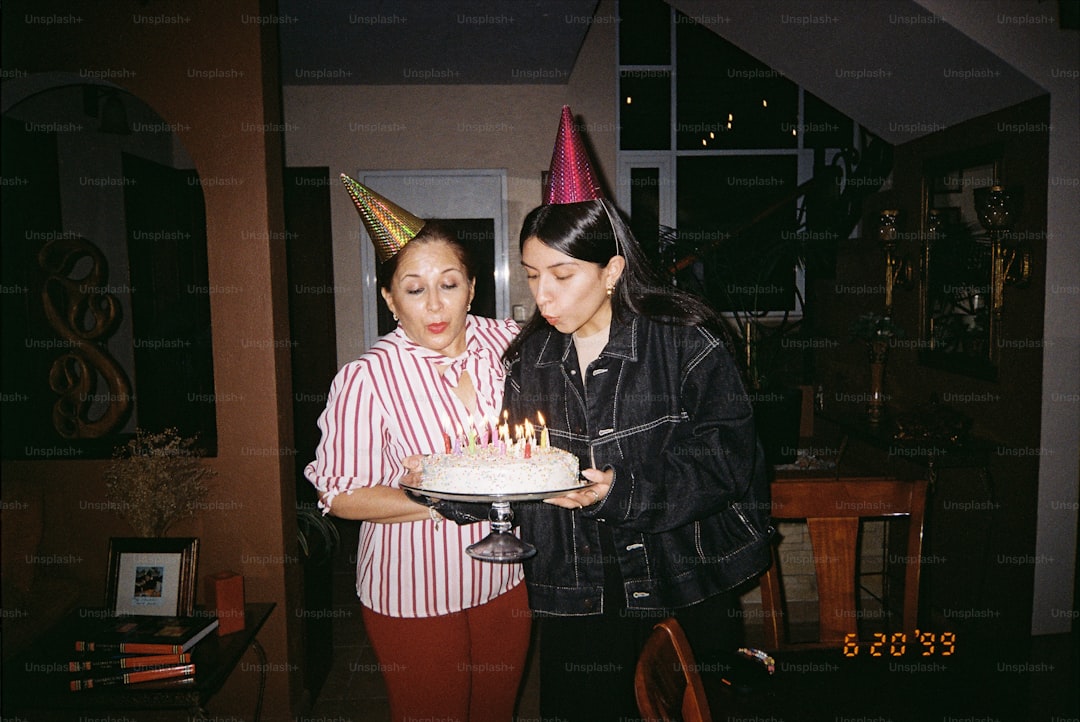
(391, 403)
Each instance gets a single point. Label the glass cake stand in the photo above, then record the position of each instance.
(501, 545)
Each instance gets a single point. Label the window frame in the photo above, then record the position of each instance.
(666, 161)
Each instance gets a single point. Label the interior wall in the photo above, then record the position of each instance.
(435, 127)
(211, 71)
(1029, 38)
(982, 537)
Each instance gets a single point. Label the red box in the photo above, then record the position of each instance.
(225, 595)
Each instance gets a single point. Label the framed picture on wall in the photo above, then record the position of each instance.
(152, 576)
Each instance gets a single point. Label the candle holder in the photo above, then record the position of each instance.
(878, 332)
(1010, 263)
(897, 269)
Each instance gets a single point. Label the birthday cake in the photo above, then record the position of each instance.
(493, 469)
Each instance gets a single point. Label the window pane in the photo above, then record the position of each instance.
(645, 118)
(728, 99)
(717, 195)
(644, 38)
(645, 208)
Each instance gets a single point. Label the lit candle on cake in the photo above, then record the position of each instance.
(446, 436)
(470, 434)
(482, 441)
(530, 439)
(544, 442)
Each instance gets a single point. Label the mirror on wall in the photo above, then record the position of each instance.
(106, 297)
(957, 318)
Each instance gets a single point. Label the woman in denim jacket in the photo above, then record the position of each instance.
(633, 377)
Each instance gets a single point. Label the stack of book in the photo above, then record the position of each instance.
(133, 649)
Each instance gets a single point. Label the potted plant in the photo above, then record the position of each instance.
(156, 479)
(747, 282)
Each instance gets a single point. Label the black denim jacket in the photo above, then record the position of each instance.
(665, 408)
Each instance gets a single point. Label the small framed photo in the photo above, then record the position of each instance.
(152, 576)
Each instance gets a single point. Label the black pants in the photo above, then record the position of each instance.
(587, 663)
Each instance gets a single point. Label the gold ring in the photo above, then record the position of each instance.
(595, 496)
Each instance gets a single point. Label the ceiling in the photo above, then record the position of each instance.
(405, 42)
(890, 65)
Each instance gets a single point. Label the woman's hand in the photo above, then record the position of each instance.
(601, 483)
(414, 470)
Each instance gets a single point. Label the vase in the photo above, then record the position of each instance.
(876, 406)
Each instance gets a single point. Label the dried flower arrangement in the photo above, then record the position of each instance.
(156, 479)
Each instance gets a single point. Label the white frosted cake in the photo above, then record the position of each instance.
(488, 470)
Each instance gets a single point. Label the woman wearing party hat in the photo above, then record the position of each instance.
(634, 377)
(450, 633)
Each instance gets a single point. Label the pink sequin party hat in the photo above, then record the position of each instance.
(571, 179)
(389, 225)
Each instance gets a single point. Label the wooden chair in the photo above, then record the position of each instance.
(667, 681)
(832, 509)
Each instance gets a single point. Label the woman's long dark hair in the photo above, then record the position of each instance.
(593, 231)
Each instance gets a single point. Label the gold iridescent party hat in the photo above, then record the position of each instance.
(571, 179)
(389, 225)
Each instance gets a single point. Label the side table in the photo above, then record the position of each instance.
(36, 681)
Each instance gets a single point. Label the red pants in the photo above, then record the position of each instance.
(461, 667)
